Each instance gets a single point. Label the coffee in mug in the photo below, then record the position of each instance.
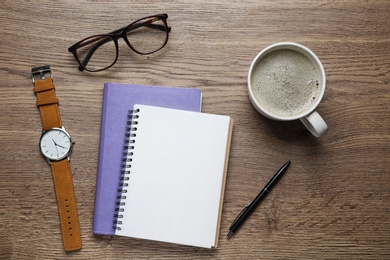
(286, 81)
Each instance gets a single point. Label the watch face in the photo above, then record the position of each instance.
(55, 144)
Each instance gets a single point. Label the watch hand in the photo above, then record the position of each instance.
(56, 149)
(60, 146)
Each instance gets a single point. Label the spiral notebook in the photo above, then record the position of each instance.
(173, 178)
(117, 100)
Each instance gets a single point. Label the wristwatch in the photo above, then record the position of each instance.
(56, 146)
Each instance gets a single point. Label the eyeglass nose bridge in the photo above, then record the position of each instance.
(123, 34)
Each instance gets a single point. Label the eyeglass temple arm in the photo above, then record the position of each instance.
(148, 24)
(106, 39)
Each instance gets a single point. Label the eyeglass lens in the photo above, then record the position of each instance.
(146, 36)
(97, 52)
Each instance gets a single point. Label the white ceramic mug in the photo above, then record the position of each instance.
(309, 117)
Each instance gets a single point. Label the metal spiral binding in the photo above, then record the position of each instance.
(128, 147)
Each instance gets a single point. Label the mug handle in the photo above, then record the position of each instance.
(315, 124)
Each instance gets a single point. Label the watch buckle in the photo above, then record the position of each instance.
(40, 72)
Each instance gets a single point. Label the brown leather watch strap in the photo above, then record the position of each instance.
(67, 208)
(47, 103)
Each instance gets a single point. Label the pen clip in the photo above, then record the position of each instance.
(239, 215)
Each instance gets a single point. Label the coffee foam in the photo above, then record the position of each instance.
(285, 83)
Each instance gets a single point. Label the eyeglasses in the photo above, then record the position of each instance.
(100, 52)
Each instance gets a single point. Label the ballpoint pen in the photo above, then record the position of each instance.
(247, 210)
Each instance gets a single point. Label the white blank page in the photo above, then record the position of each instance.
(178, 170)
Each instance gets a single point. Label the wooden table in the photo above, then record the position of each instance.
(334, 201)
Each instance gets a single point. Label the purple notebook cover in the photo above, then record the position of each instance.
(117, 100)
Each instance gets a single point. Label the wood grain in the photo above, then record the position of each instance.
(333, 203)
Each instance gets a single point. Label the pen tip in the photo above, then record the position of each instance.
(286, 164)
(229, 235)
